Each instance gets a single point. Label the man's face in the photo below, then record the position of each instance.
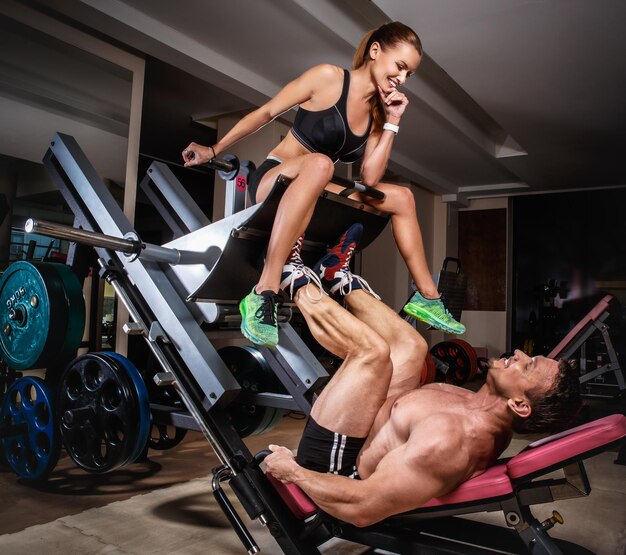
(520, 373)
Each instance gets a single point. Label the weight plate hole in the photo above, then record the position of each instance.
(15, 450)
(42, 415)
(16, 402)
(114, 432)
(30, 396)
(74, 385)
(31, 461)
(42, 444)
(93, 375)
(111, 395)
(101, 457)
(79, 445)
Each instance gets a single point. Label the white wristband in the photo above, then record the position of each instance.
(391, 127)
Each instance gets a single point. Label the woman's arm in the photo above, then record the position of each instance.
(298, 91)
(379, 144)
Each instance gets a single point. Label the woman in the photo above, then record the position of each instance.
(343, 116)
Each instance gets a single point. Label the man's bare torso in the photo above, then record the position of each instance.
(398, 421)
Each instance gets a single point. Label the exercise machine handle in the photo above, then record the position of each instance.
(226, 164)
(357, 187)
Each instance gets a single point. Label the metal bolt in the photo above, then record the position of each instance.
(34, 301)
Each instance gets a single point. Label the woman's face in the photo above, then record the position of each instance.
(393, 65)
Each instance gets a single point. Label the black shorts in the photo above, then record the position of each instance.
(325, 451)
(257, 175)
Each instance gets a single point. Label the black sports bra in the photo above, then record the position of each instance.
(327, 131)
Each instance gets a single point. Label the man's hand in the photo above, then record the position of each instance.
(281, 464)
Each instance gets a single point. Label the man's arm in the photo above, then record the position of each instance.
(431, 463)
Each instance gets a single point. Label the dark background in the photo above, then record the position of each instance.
(577, 240)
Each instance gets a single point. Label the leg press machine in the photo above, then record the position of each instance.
(181, 294)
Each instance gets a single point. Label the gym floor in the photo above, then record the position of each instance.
(165, 505)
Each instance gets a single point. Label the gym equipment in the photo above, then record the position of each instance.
(28, 430)
(254, 376)
(453, 286)
(429, 370)
(457, 361)
(511, 486)
(105, 411)
(183, 294)
(43, 315)
(161, 287)
(163, 437)
(577, 339)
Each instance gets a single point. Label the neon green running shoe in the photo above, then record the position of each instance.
(433, 313)
(258, 318)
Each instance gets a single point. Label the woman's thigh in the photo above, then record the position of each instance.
(291, 169)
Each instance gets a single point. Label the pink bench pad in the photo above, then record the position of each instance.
(567, 445)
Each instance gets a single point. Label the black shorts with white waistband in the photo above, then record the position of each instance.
(329, 452)
(255, 177)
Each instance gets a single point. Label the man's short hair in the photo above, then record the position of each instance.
(554, 410)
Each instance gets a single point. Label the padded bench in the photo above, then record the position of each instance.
(508, 479)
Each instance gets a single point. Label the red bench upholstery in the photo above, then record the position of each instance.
(498, 481)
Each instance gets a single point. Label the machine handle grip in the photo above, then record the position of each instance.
(451, 259)
(218, 164)
(356, 186)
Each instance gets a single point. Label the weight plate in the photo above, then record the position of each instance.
(161, 439)
(143, 401)
(103, 417)
(33, 452)
(76, 312)
(254, 375)
(41, 315)
(460, 359)
(471, 354)
(428, 370)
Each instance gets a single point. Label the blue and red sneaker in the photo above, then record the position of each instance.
(296, 275)
(334, 267)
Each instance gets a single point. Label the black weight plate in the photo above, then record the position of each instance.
(100, 413)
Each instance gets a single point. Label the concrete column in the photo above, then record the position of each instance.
(8, 187)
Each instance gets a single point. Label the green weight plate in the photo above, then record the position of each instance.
(76, 312)
(42, 315)
(25, 315)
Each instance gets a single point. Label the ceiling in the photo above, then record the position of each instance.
(512, 97)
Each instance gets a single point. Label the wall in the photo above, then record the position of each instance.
(487, 328)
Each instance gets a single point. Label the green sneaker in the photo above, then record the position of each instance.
(433, 313)
(258, 313)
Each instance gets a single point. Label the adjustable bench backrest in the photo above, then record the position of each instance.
(597, 313)
(499, 481)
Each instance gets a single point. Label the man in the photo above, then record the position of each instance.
(372, 421)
